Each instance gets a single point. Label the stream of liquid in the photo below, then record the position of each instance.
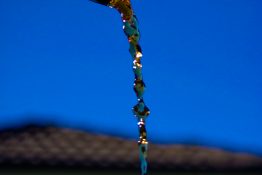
(140, 110)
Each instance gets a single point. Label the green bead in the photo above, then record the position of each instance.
(141, 113)
(139, 87)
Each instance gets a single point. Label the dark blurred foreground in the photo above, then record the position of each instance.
(51, 150)
(121, 172)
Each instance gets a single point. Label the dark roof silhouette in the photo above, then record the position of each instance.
(53, 147)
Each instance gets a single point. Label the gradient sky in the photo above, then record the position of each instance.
(66, 62)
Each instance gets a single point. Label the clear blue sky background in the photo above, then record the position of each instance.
(66, 62)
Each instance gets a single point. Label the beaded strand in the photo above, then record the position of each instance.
(140, 110)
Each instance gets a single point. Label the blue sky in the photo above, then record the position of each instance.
(67, 63)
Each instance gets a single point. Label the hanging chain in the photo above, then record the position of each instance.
(141, 111)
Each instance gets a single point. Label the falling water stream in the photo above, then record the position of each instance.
(140, 110)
